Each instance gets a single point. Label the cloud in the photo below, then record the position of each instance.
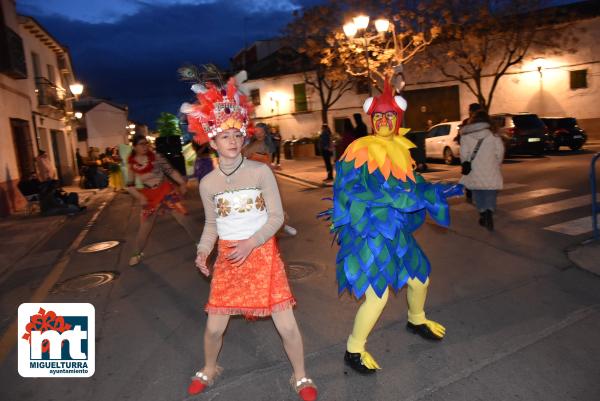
(134, 60)
(115, 11)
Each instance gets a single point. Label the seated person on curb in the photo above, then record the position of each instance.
(56, 201)
(30, 186)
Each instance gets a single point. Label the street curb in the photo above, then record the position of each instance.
(304, 181)
(581, 255)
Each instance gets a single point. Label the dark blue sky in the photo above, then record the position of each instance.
(129, 50)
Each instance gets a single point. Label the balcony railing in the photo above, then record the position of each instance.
(12, 54)
(48, 94)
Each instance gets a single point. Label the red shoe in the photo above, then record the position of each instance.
(305, 388)
(200, 382)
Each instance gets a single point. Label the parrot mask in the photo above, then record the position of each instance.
(386, 111)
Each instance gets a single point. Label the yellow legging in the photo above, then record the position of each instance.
(371, 308)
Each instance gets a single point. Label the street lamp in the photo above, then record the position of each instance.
(76, 88)
(78, 115)
(359, 24)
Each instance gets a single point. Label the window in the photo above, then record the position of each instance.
(440, 130)
(35, 59)
(82, 134)
(300, 101)
(255, 96)
(578, 79)
(338, 124)
(51, 74)
(362, 86)
(498, 121)
(527, 121)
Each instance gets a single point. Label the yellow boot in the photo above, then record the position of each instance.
(356, 356)
(416, 293)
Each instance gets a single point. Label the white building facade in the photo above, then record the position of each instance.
(567, 85)
(103, 124)
(35, 104)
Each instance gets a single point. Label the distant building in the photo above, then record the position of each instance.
(103, 124)
(36, 112)
(276, 85)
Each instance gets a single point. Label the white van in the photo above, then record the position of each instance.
(441, 142)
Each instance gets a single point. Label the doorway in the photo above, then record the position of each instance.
(54, 138)
(434, 104)
(23, 146)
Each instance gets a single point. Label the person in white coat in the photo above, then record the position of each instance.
(485, 177)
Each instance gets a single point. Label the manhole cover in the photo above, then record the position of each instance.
(85, 282)
(300, 270)
(98, 246)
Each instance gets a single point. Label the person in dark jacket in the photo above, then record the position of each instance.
(360, 129)
(326, 146)
(347, 137)
(276, 138)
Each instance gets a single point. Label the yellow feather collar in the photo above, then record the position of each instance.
(389, 156)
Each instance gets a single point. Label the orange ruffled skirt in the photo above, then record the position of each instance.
(257, 288)
(162, 197)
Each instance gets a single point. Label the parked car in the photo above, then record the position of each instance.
(564, 131)
(521, 133)
(441, 142)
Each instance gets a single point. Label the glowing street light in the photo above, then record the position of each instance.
(78, 115)
(350, 30)
(76, 88)
(382, 25)
(361, 21)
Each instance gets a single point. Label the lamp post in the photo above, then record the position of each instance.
(356, 30)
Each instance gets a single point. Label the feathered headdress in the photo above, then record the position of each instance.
(216, 110)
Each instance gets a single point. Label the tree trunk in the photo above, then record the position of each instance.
(324, 111)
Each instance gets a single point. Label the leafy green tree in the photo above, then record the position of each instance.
(168, 125)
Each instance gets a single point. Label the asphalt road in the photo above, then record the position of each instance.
(522, 322)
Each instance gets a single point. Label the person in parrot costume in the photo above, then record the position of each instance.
(378, 202)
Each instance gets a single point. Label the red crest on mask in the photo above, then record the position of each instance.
(386, 102)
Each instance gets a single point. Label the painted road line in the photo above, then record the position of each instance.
(513, 185)
(573, 227)
(553, 207)
(536, 193)
(513, 198)
(9, 338)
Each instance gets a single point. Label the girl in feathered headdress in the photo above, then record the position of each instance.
(243, 210)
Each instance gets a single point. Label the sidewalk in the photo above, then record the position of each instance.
(311, 171)
(21, 233)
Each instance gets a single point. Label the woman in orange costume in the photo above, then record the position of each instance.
(243, 209)
(159, 193)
